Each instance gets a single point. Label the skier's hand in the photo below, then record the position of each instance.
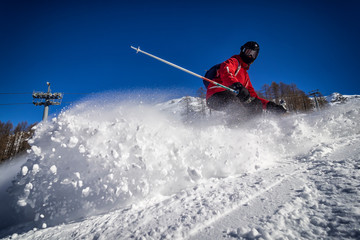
(275, 108)
(243, 93)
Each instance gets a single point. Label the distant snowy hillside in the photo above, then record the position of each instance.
(129, 170)
(337, 98)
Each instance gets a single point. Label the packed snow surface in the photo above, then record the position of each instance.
(128, 170)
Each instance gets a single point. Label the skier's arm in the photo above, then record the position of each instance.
(254, 94)
(227, 72)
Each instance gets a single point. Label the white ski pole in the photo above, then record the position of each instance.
(185, 70)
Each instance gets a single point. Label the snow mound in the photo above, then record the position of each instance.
(97, 157)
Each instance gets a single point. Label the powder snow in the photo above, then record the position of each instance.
(129, 170)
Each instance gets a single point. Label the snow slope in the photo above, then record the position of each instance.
(337, 98)
(127, 170)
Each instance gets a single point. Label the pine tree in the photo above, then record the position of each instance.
(275, 92)
(188, 111)
(201, 93)
(14, 141)
(265, 91)
(295, 99)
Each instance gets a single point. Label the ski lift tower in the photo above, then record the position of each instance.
(46, 99)
(315, 94)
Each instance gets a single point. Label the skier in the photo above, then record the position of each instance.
(233, 73)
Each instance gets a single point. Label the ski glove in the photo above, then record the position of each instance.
(275, 108)
(243, 93)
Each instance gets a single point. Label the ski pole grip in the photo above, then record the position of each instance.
(136, 49)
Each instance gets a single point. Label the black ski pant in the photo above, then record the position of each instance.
(228, 102)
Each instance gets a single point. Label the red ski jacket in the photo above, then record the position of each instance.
(229, 73)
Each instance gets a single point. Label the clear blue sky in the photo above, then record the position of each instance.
(84, 46)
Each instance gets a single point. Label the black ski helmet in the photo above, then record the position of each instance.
(249, 52)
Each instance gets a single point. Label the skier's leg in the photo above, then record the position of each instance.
(219, 101)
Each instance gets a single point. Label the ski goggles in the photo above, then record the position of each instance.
(251, 53)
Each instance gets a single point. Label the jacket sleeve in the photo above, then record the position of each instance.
(252, 92)
(227, 72)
